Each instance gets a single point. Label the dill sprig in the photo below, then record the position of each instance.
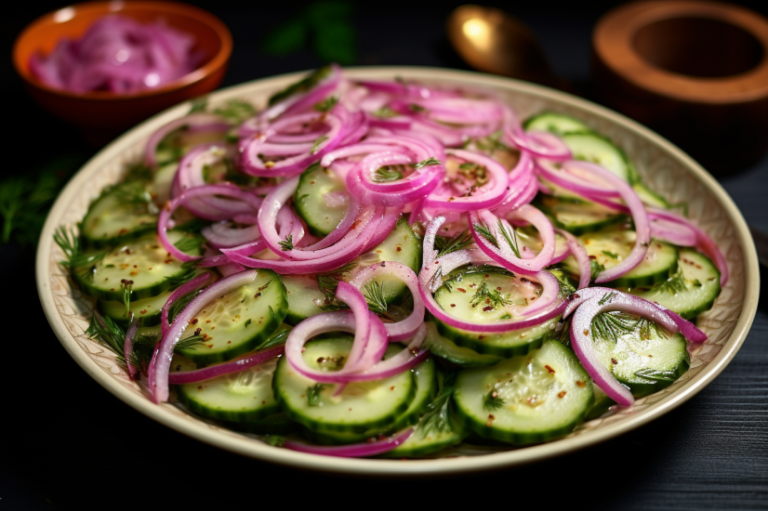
(303, 85)
(491, 143)
(674, 284)
(374, 295)
(436, 418)
(287, 243)
(610, 254)
(190, 244)
(427, 163)
(316, 145)
(313, 394)
(484, 231)
(595, 268)
(605, 299)
(654, 376)
(327, 104)
(566, 288)
(387, 174)
(413, 107)
(456, 276)
(76, 260)
(445, 245)
(189, 271)
(275, 339)
(610, 326)
(510, 239)
(489, 297)
(198, 105)
(474, 172)
(235, 111)
(328, 282)
(108, 333)
(492, 401)
(385, 112)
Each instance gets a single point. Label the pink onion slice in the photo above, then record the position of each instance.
(130, 336)
(539, 143)
(485, 197)
(406, 328)
(186, 288)
(158, 377)
(361, 450)
(581, 256)
(231, 367)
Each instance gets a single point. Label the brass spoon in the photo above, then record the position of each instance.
(494, 42)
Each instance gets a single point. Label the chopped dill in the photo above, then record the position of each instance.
(492, 401)
(511, 239)
(316, 145)
(436, 418)
(595, 268)
(484, 231)
(387, 174)
(287, 243)
(327, 104)
(610, 254)
(445, 245)
(427, 163)
(374, 295)
(235, 111)
(674, 284)
(489, 297)
(313, 394)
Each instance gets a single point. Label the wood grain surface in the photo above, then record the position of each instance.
(710, 453)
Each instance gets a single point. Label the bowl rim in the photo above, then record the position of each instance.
(390, 468)
(219, 60)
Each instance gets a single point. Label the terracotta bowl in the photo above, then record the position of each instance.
(103, 114)
(664, 167)
(695, 71)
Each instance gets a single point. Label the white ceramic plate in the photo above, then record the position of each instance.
(667, 169)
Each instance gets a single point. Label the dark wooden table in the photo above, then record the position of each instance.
(68, 444)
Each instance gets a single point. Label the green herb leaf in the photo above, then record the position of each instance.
(610, 254)
(198, 105)
(316, 145)
(595, 268)
(445, 245)
(606, 297)
(304, 85)
(275, 440)
(650, 374)
(287, 243)
(436, 418)
(385, 112)
(236, 111)
(427, 163)
(489, 297)
(674, 284)
(416, 108)
(510, 239)
(387, 174)
(327, 104)
(275, 339)
(483, 230)
(313, 394)
(492, 401)
(374, 295)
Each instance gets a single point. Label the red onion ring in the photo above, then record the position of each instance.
(231, 367)
(355, 450)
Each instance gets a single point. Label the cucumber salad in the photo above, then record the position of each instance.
(371, 268)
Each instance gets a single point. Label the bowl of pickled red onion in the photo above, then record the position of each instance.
(106, 66)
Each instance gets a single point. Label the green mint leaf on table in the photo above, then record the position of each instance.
(387, 174)
(313, 394)
(492, 401)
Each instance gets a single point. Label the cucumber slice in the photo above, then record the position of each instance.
(142, 262)
(593, 147)
(310, 203)
(122, 213)
(690, 291)
(601, 405)
(146, 311)
(610, 246)
(509, 344)
(484, 297)
(640, 355)
(649, 197)
(160, 187)
(401, 246)
(239, 321)
(553, 122)
(426, 387)
(361, 407)
(576, 215)
(529, 239)
(447, 350)
(527, 399)
(240, 397)
(303, 296)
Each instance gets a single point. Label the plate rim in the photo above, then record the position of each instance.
(382, 467)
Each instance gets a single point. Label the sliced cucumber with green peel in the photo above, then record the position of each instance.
(143, 266)
(449, 351)
(124, 212)
(401, 246)
(553, 122)
(160, 187)
(527, 399)
(238, 321)
(240, 397)
(486, 297)
(639, 354)
(146, 311)
(309, 199)
(649, 197)
(610, 246)
(426, 387)
(359, 408)
(576, 215)
(601, 405)
(303, 296)
(595, 148)
(690, 291)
